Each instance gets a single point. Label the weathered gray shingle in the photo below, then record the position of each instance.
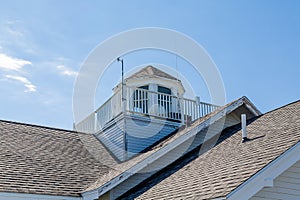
(230, 163)
(42, 160)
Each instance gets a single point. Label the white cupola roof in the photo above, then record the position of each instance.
(151, 72)
(154, 78)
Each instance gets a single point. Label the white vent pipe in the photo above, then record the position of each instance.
(244, 128)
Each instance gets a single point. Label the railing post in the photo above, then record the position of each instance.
(128, 98)
(181, 110)
(152, 107)
(95, 122)
(198, 102)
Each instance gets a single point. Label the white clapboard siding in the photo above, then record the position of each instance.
(142, 133)
(139, 134)
(112, 138)
(286, 186)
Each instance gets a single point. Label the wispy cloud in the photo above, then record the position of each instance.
(16, 36)
(66, 71)
(13, 29)
(29, 86)
(11, 63)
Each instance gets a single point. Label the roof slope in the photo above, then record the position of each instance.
(230, 163)
(41, 160)
(150, 71)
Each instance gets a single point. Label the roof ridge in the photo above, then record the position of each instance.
(40, 126)
(293, 102)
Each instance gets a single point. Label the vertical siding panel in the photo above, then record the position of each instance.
(142, 133)
(112, 138)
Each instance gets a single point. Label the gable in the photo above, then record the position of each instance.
(150, 71)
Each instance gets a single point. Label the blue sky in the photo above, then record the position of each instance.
(255, 45)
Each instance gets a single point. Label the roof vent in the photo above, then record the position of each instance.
(244, 128)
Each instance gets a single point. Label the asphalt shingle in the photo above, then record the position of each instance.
(41, 160)
(223, 168)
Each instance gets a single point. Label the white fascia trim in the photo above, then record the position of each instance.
(25, 196)
(266, 176)
(251, 106)
(90, 195)
(161, 152)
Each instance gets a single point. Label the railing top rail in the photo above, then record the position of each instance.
(106, 102)
(86, 118)
(209, 104)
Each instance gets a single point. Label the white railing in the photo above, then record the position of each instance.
(105, 113)
(109, 110)
(194, 110)
(87, 125)
(152, 103)
(145, 102)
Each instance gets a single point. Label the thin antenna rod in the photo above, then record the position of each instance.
(124, 110)
(177, 70)
(122, 62)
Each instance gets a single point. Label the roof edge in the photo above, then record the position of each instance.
(40, 126)
(15, 195)
(283, 106)
(251, 106)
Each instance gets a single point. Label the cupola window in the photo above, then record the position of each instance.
(164, 101)
(141, 100)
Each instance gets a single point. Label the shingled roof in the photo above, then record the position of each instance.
(42, 160)
(150, 71)
(230, 163)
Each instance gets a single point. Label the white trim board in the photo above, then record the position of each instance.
(25, 196)
(266, 176)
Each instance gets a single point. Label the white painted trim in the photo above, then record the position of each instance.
(251, 106)
(161, 152)
(24, 196)
(90, 196)
(266, 176)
